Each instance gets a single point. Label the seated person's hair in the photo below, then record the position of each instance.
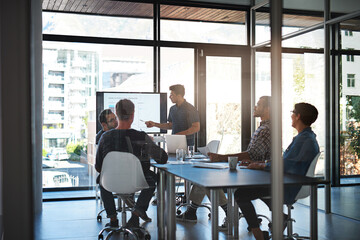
(124, 109)
(178, 89)
(267, 101)
(308, 113)
(103, 114)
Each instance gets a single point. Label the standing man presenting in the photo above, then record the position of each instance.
(183, 117)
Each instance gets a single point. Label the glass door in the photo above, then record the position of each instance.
(221, 76)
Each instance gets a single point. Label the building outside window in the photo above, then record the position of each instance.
(351, 80)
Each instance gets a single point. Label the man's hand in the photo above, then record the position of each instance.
(150, 124)
(214, 157)
(257, 166)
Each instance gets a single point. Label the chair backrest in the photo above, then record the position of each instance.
(122, 173)
(212, 146)
(305, 190)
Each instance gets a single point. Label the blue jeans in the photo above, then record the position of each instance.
(142, 202)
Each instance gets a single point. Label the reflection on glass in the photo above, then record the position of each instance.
(223, 102)
(72, 73)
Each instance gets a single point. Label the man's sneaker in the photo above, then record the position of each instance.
(142, 215)
(113, 224)
(224, 226)
(133, 222)
(187, 216)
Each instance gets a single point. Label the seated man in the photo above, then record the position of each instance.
(297, 159)
(108, 121)
(125, 139)
(258, 150)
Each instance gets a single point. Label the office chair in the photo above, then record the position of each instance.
(213, 147)
(122, 174)
(303, 193)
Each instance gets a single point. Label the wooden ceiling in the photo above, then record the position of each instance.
(145, 10)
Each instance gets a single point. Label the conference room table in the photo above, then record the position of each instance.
(214, 179)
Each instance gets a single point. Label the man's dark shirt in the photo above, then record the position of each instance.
(141, 146)
(98, 136)
(182, 117)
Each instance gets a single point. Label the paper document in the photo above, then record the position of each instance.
(211, 165)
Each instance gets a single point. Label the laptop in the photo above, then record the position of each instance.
(174, 142)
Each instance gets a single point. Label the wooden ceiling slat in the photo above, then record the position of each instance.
(51, 4)
(75, 5)
(68, 5)
(92, 6)
(44, 4)
(57, 5)
(98, 7)
(62, 5)
(82, 5)
(105, 7)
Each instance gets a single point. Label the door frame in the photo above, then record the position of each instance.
(200, 88)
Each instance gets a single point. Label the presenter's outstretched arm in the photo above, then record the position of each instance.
(167, 125)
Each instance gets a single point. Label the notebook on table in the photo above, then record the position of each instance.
(174, 142)
(211, 165)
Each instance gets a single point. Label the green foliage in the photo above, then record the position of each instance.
(299, 76)
(353, 104)
(354, 136)
(75, 150)
(44, 153)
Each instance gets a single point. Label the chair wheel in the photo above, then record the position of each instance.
(178, 212)
(147, 237)
(99, 218)
(100, 237)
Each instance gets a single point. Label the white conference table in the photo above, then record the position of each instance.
(214, 179)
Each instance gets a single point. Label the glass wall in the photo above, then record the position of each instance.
(302, 81)
(204, 25)
(72, 73)
(223, 102)
(177, 67)
(349, 106)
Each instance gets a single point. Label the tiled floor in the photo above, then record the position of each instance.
(75, 220)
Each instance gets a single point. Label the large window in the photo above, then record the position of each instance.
(122, 20)
(205, 25)
(302, 81)
(177, 67)
(73, 72)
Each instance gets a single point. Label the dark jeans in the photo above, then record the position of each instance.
(244, 196)
(142, 202)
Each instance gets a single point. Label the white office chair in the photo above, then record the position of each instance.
(122, 174)
(303, 193)
(212, 146)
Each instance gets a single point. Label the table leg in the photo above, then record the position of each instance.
(214, 196)
(230, 211)
(236, 221)
(187, 190)
(171, 206)
(161, 204)
(313, 213)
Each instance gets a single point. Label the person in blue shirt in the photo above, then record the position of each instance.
(297, 159)
(183, 117)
